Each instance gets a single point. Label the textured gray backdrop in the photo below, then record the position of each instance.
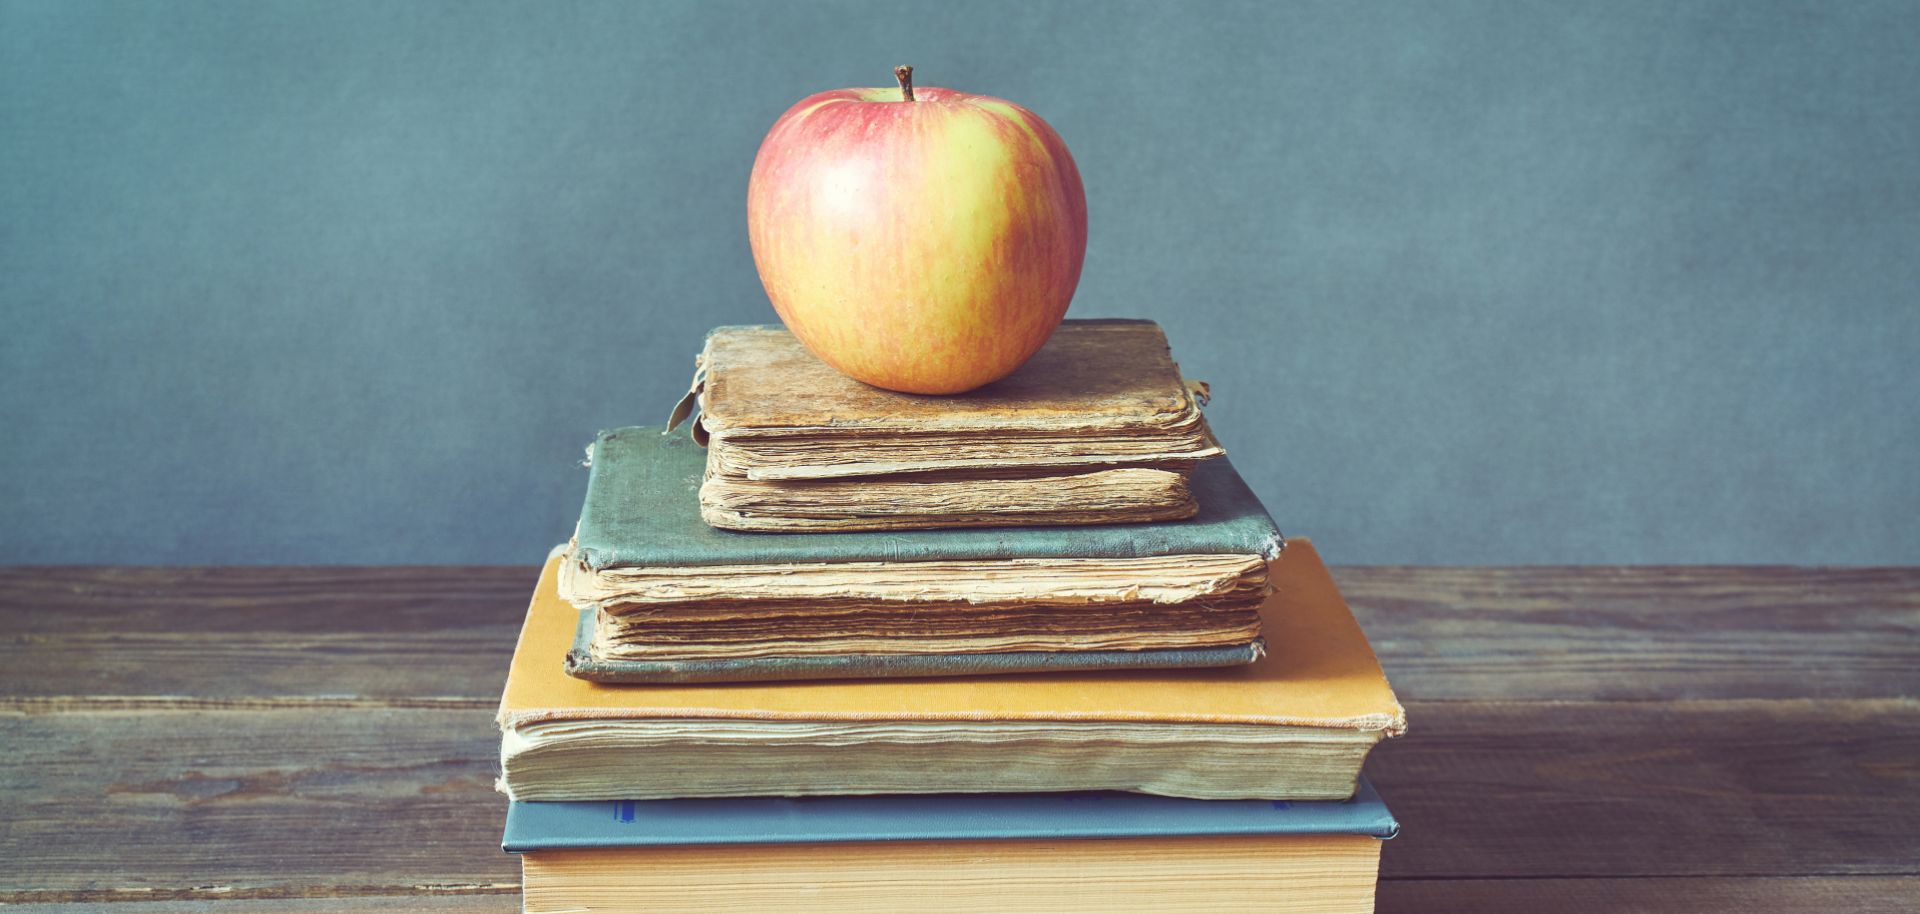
(1473, 282)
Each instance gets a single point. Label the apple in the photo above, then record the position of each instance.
(917, 239)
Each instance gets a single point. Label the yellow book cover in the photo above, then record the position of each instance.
(1294, 725)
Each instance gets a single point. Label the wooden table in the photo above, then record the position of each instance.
(1583, 739)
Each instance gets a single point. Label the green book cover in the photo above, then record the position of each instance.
(643, 510)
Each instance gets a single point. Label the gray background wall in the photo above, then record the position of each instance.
(1474, 282)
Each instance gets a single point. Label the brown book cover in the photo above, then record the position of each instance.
(1099, 427)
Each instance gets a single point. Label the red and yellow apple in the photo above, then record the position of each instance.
(917, 239)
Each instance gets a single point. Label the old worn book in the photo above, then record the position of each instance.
(589, 660)
(1094, 852)
(1098, 427)
(674, 599)
(1295, 724)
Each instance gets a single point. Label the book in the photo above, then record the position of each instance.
(1098, 427)
(674, 597)
(1296, 724)
(991, 853)
(585, 663)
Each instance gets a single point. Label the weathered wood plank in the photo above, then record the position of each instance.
(1757, 895)
(1752, 895)
(318, 778)
(107, 805)
(1726, 788)
(1642, 633)
(1443, 633)
(345, 800)
(226, 633)
(506, 902)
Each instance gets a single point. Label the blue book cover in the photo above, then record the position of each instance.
(807, 820)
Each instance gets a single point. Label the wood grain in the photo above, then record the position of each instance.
(1643, 633)
(1778, 895)
(1710, 788)
(233, 633)
(503, 902)
(1775, 895)
(356, 800)
(1582, 739)
(102, 805)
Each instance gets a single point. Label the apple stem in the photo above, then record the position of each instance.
(904, 74)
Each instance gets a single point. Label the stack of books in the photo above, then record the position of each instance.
(1036, 648)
